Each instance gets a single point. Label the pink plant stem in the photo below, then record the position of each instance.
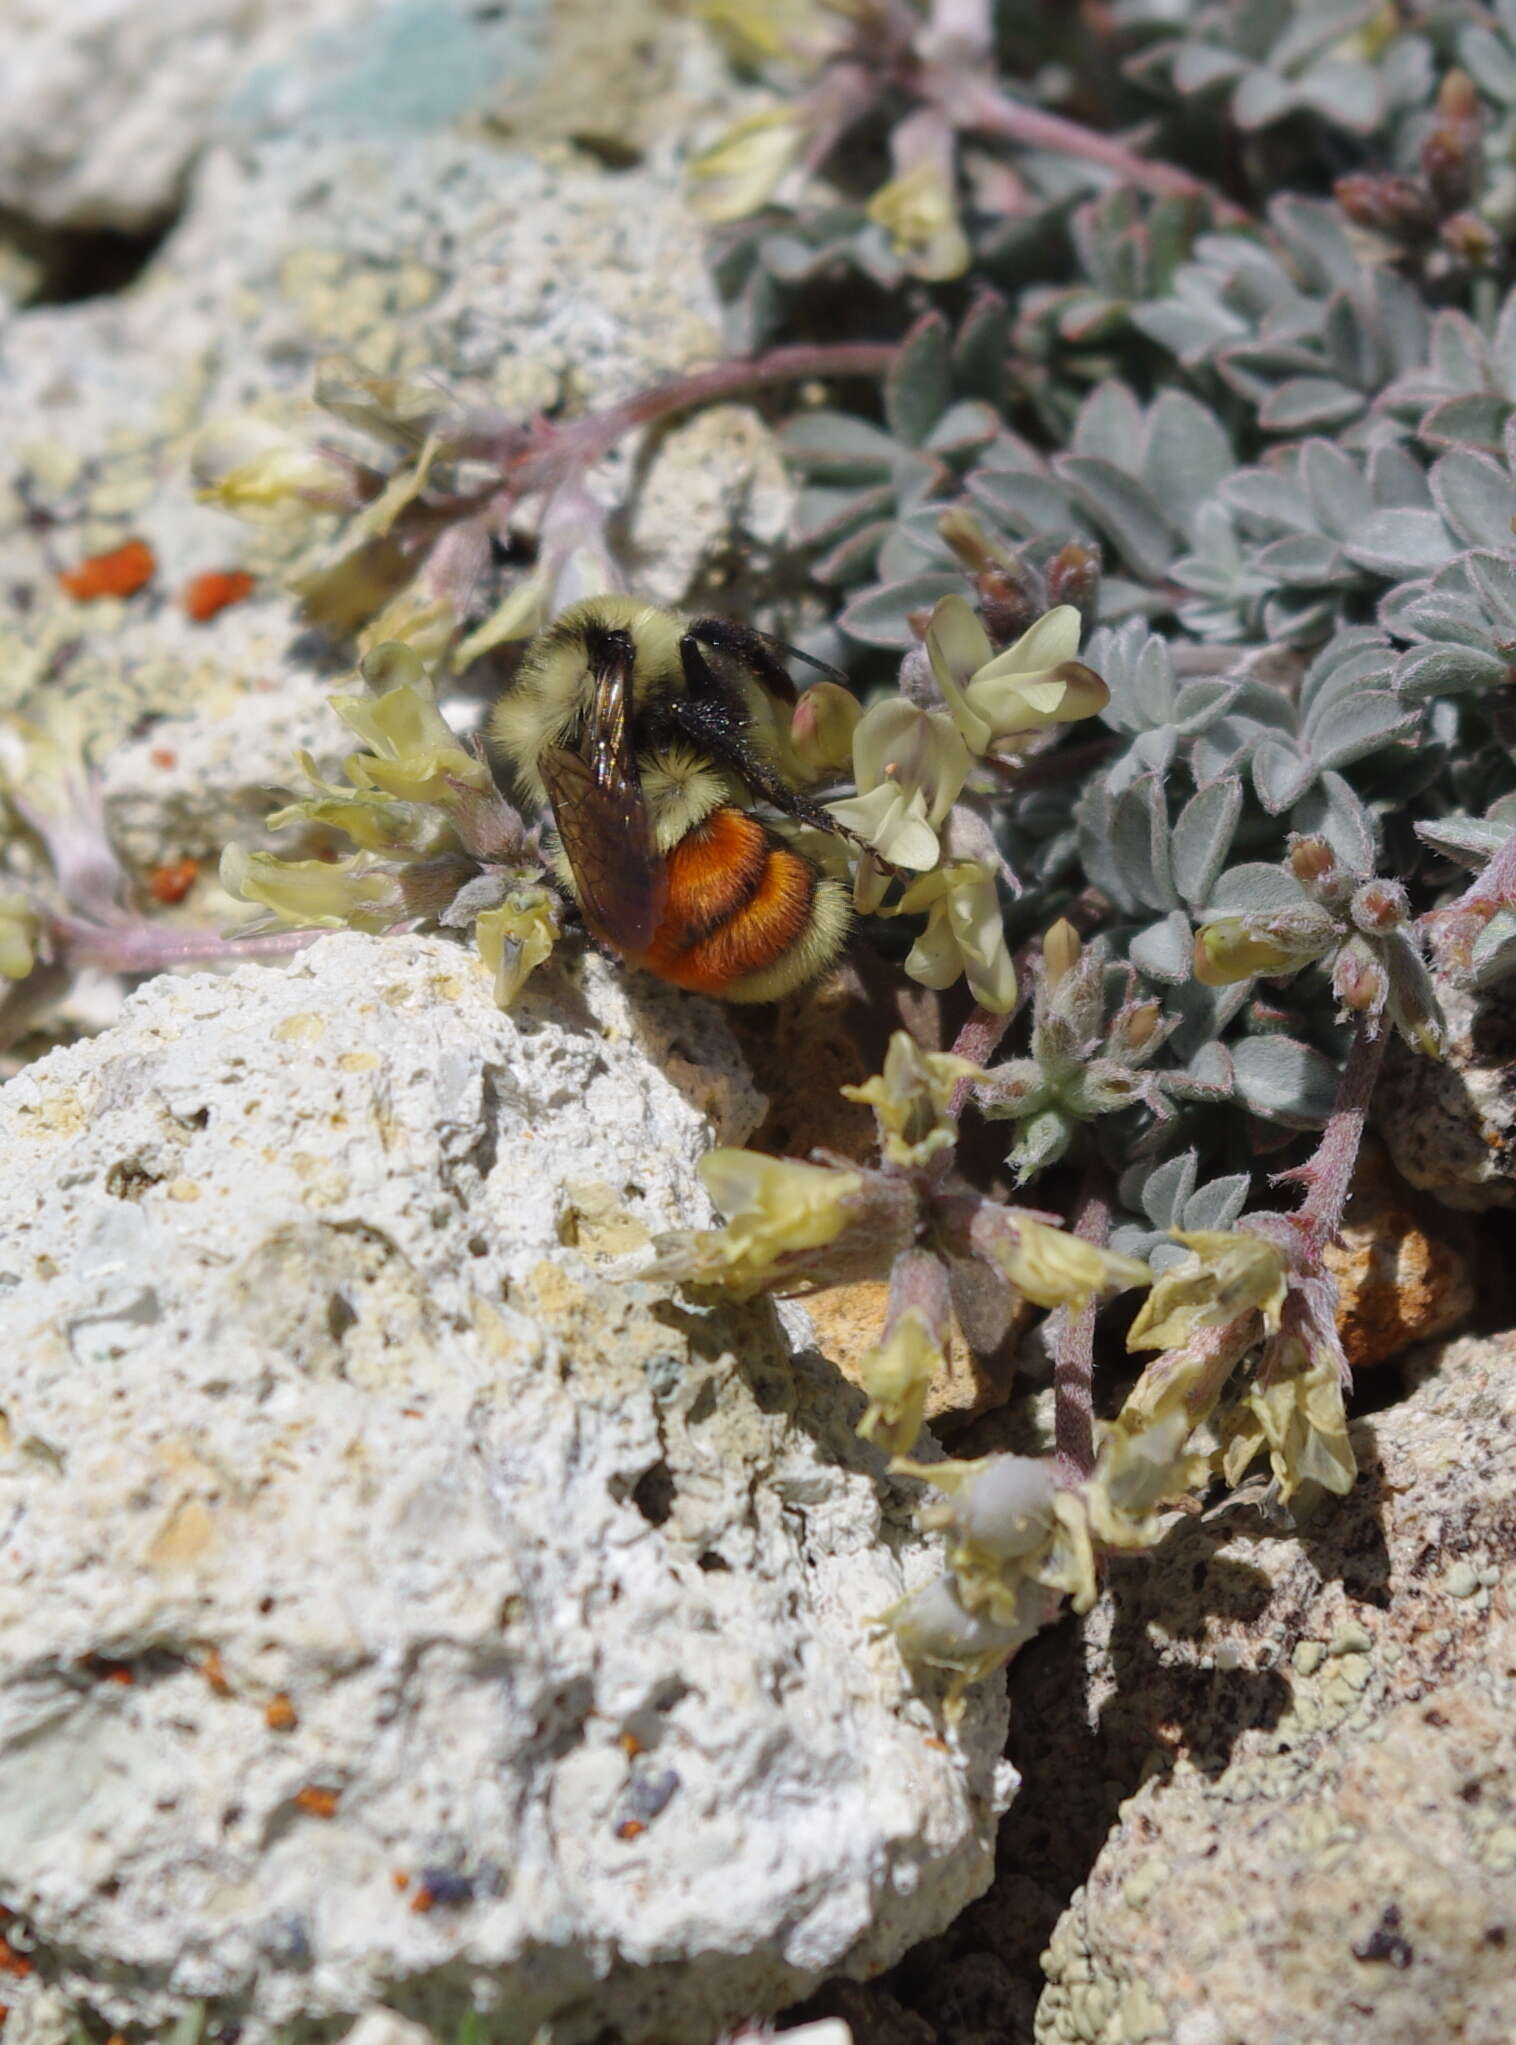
(145, 948)
(1329, 1173)
(978, 1040)
(577, 446)
(1074, 1344)
(980, 106)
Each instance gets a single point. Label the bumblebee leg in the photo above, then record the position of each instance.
(755, 650)
(713, 717)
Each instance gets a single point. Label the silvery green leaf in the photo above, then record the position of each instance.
(1025, 504)
(917, 387)
(1296, 618)
(1494, 576)
(1262, 97)
(1198, 705)
(1264, 704)
(1140, 844)
(1344, 92)
(878, 617)
(964, 430)
(1205, 1013)
(825, 512)
(1304, 404)
(835, 447)
(1456, 356)
(1494, 954)
(1197, 67)
(1203, 836)
(1284, 1081)
(1402, 543)
(1122, 508)
(1354, 659)
(1475, 420)
(1330, 809)
(1218, 1203)
(1256, 888)
(1487, 57)
(1445, 608)
(1223, 745)
(1186, 455)
(1317, 236)
(1270, 501)
(1476, 497)
(1446, 668)
(1108, 425)
(1306, 560)
(1281, 773)
(1396, 481)
(982, 348)
(1337, 488)
(1208, 1076)
(1503, 350)
(1193, 322)
(1163, 951)
(1166, 1189)
(911, 550)
(1469, 840)
(1355, 726)
(1134, 664)
(854, 556)
(1153, 750)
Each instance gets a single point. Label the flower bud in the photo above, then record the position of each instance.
(821, 730)
(969, 541)
(1073, 577)
(1472, 240)
(1358, 979)
(1379, 906)
(1389, 204)
(1310, 859)
(1061, 948)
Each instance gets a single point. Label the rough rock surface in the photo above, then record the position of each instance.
(526, 277)
(1403, 1266)
(108, 107)
(399, 1608)
(1450, 1123)
(1325, 1846)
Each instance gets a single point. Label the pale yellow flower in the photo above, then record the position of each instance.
(918, 210)
(19, 926)
(897, 1374)
(910, 1099)
(1228, 1273)
(1240, 947)
(1295, 1411)
(909, 767)
(778, 1210)
(313, 894)
(822, 730)
(739, 174)
(251, 466)
(515, 938)
(999, 697)
(413, 751)
(964, 934)
(1051, 1267)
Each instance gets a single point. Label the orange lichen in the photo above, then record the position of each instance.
(317, 1802)
(630, 1828)
(118, 573)
(214, 1673)
(279, 1715)
(215, 590)
(17, 1965)
(172, 881)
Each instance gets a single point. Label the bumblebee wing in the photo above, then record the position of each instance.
(607, 833)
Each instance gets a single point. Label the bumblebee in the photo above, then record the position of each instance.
(644, 730)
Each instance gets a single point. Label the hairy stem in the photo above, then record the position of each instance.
(1074, 1342)
(978, 105)
(978, 1040)
(147, 948)
(1328, 1175)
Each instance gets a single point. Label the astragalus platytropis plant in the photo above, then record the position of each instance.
(1167, 532)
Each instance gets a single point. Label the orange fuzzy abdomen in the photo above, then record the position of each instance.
(737, 900)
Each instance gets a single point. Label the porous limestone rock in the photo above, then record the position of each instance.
(1324, 1846)
(402, 1608)
(107, 107)
(1403, 1265)
(1450, 1122)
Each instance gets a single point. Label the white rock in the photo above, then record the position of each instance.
(321, 1404)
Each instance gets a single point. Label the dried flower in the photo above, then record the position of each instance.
(517, 937)
(779, 1213)
(910, 1100)
(1227, 1274)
